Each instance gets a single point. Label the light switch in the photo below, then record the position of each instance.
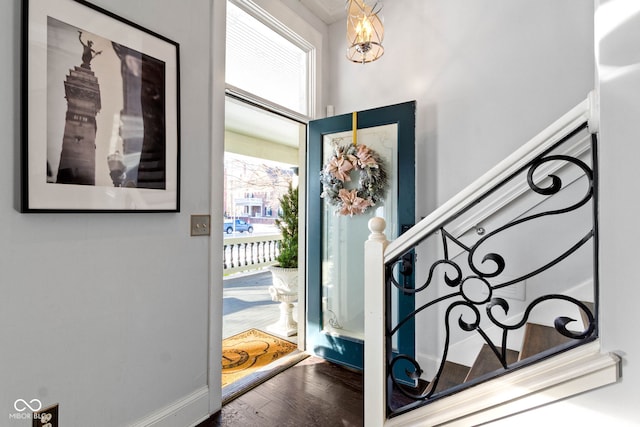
(200, 225)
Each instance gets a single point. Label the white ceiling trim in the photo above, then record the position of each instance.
(329, 11)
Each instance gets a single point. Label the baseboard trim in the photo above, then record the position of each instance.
(188, 411)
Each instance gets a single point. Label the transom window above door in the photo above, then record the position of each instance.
(267, 61)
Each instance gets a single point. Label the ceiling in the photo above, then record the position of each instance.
(255, 122)
(329, 11)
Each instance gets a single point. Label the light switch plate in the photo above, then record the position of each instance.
(200, 225)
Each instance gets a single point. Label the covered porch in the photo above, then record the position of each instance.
(247, 304)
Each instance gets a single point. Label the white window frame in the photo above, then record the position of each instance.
(285, 31)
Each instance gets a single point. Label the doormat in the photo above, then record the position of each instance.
(251, 352)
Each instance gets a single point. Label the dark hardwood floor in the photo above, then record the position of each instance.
(312, 393)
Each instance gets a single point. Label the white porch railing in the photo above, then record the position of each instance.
(250, 253)
(565, 374)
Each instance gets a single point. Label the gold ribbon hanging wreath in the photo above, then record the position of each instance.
(372, 180)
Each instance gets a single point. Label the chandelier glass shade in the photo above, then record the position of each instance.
(365, 31)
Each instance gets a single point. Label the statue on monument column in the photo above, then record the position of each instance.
(82, 92)
(88, 53)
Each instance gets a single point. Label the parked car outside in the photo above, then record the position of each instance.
(240, 225)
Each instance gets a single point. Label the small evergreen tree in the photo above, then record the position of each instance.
(287, 222)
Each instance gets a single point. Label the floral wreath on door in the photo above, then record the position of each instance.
(371, 182)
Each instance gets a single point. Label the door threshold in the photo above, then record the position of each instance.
(243, 385)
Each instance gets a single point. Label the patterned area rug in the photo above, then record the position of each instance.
(250, 352)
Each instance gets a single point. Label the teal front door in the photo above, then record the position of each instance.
(345, 171)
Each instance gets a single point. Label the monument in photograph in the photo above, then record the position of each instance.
(82, 91)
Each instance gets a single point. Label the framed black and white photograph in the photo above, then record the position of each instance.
(100, 112)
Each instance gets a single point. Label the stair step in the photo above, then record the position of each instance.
(538, 338)
(486, 362)
(585, 319)
(452, 375)
(398, 399)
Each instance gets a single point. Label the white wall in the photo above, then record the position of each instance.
(107, 314)
(488, 75)
(617, 31)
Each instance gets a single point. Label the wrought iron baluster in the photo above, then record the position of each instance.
(463, 281)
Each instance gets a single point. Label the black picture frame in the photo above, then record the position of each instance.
(100, 115)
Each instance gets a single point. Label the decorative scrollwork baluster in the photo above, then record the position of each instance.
(471, 267)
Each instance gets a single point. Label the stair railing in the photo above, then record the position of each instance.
(469, 292)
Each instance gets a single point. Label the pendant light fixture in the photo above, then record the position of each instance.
(365, 31)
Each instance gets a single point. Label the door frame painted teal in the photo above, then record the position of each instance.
(344, 350)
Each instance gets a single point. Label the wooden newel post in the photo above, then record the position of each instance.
(374, 348)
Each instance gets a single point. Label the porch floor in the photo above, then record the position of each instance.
(247, 304)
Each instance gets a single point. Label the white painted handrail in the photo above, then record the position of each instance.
(540, 143)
